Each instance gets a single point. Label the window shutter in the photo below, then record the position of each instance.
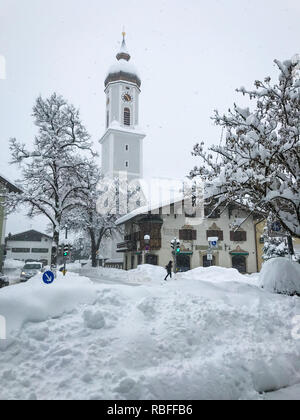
(239, 236)
(218, 233)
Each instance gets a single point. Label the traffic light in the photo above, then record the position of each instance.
(173, 244)
(66, 250)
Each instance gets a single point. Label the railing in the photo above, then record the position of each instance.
(127, 245)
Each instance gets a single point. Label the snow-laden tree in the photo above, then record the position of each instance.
(50, 171)
(85, 217)
(259, 164)
(274, 246)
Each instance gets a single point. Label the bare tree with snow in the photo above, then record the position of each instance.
(50, 171)
(85, 217)
(259, 164)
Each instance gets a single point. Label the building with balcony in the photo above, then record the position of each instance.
(233, 225)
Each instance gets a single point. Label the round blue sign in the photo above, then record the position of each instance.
(48, 277)
(214, 243)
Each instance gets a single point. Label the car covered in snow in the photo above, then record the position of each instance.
(30, 269)
(3, 281)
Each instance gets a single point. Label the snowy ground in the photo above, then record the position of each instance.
(209, 334)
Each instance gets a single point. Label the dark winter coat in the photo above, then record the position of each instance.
(169, 267)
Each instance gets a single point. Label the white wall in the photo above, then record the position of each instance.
(44, 244)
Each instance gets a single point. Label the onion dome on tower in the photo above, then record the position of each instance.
(123, 69)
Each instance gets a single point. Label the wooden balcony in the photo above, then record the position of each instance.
(126, 246)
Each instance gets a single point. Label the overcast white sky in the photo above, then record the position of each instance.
(191, 56)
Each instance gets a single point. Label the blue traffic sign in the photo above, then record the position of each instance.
(213, 243)
(48, 277)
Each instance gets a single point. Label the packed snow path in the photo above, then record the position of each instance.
(211, 334)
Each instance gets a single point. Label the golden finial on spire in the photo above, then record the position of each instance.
(124, 33)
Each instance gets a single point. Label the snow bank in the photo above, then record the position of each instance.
(214, 274)
(279, 275)
(188, 338)
(35, 301)
(147, 274)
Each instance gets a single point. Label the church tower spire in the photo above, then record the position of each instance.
(122, 143)
(123, 53)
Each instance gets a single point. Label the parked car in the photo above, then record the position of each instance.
(30, 269)
(3, 281)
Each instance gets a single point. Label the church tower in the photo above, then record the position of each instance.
(122, 142)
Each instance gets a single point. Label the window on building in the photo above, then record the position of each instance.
(238, 236)
(126, 164)
(107, 119)
(215, 234)
(40, 250)
(188, 235)
(210, 214)
(21, 250)
(126, 116)
(151, 259)
(126, 147)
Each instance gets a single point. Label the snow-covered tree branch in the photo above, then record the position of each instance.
(259, 165)
(51, 170)
(84, 217)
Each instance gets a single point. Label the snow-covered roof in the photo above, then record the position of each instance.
(10, 185)
(149, 207)
(122, 66)
(131, 130)
(122, 69)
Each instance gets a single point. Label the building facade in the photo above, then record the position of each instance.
(29, 246)
(236, 247)
(5, 187)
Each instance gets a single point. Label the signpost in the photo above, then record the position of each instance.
(175, 246)
(213, 244)
(48, 277)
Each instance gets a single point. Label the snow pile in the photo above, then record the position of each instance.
(35, 301)
(280, 275)
(187, 338)
(147, 274)
(217, 274)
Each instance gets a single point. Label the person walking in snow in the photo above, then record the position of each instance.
(169, 268)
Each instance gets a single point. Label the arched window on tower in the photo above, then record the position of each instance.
(107, 119)
(126, 116)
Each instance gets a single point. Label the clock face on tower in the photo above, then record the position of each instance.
(126, 97)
